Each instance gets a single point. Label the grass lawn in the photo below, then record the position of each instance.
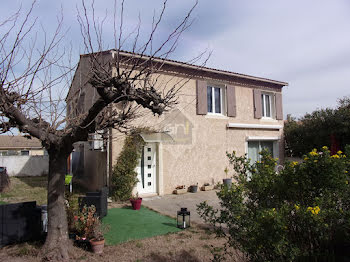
(128, 224)
(26, 189)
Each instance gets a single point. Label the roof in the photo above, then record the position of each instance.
(19, 142)
(168, 65)
(192, 66)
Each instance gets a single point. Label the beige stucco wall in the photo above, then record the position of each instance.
(36, 152)
(201, 158)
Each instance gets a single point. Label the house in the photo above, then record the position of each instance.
(217, 112)
(20, 146)
(22, 156)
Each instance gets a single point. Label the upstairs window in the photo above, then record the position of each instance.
(267, 105)
(215, 100)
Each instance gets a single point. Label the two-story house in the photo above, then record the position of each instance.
(217, 112)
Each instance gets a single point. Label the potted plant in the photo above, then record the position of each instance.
(136, 202)
(194, 188)
(89, 229)
(227, 181)
(84, 221)
(97, 240)
(207, 187)
(180, 190)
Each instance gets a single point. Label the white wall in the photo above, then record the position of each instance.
(25, 165)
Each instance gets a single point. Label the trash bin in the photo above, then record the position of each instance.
(44, 218)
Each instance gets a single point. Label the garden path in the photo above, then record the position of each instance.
(170, 204)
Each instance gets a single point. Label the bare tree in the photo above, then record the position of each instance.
(34, 79)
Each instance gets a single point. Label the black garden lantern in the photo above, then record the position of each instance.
(183, 218)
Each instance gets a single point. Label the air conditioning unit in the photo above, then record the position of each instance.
(96, 141)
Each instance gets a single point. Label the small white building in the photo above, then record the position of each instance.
(22, 156)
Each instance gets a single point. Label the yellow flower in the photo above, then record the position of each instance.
(317, 209)
(339, 152)
(312, 153)
(294, 163)
(316, 161)
(296, 207)
(346, 182)
(325, 148)
(273, 209)
(335, 156)
(306, 158)
(314, 210)
(314, 150)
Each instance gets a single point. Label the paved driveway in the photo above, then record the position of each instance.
(170, 204)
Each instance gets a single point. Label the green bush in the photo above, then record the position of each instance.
(124, 176)
(316, 129)
(297, 214)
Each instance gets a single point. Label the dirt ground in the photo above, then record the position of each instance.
(192, 245)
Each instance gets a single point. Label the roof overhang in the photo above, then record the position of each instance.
(156, 137)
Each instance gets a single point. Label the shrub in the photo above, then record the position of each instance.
(72, 208)
(124, 176)
(299, 213)
(332, 126)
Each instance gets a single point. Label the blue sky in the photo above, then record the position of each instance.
(305, 43)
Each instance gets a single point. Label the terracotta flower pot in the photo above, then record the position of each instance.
(136, 203)
(97, 245)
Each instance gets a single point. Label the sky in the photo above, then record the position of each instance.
(304, 43)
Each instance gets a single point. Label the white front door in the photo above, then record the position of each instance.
(147, 170)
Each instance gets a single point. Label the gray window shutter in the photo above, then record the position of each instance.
(279, 110)
(202, 105)
(231, 101)
(257, 104)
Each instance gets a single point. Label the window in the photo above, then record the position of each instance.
(215, 100)
(255, 147)
(267, 105)
(25, 153)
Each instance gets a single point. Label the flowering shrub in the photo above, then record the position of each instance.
(301, 212)
(86, 222)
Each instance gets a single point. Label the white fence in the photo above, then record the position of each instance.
(25, 165)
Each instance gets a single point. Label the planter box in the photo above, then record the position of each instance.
(98, 199)
(207, 188)
(180, 191)
(19, 222)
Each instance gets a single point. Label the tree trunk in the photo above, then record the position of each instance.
(57, 242)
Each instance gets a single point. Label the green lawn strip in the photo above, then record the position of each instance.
(24, 189)
(2, 202)
(127, 224)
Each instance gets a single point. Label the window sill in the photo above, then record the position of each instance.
(268, 119)
(216, 116)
